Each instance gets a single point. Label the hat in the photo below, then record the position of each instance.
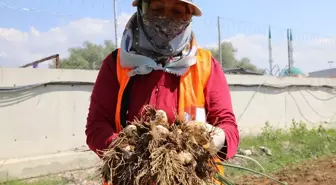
(198, 11)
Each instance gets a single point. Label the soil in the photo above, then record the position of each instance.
(315, 172)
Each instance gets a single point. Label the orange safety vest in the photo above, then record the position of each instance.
(191, 90)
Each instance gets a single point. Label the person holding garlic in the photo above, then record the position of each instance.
(160, 64)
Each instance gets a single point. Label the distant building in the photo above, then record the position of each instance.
(293, 72)
(240, 71)
(327, 73)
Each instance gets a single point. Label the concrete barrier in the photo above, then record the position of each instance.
(43, 114)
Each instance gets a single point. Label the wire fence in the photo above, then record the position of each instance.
(45, 38)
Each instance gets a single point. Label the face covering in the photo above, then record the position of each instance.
(162, 30)
(162, 37)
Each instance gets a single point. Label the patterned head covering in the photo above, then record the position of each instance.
(154, 42)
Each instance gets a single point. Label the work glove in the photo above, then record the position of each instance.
(217, 134)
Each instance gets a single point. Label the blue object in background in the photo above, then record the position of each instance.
(35, 65)
(294, 71)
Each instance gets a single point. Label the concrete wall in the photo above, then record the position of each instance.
(42, 127)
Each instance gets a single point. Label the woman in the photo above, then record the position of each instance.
(160, 64)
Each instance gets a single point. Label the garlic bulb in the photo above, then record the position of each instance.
(162, 130)
(127, 148)
(185, 157)
(161, 117)
(129, 130)
(179, 131)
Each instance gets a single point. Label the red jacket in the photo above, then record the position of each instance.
(160, 90)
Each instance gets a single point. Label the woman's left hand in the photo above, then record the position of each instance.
(217, 134)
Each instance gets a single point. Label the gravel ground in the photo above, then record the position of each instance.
(78, 177)
(81, 177)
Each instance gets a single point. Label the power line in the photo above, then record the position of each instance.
(62, 15)
(264, 25)
(3, 5)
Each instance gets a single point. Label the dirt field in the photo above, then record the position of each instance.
(315, 172)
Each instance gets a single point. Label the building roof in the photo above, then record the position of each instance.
(324, 73)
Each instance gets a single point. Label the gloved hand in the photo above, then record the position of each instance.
(217, 134)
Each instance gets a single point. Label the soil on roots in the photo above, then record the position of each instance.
(314, 172)
(150, 150)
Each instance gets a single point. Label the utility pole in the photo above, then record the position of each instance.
(289, 54)
(270, 50)
(330, 63)
(219, 43)
(115, 23)
(291, 46)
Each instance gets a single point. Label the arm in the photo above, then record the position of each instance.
(219, 109)
(100, 121)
